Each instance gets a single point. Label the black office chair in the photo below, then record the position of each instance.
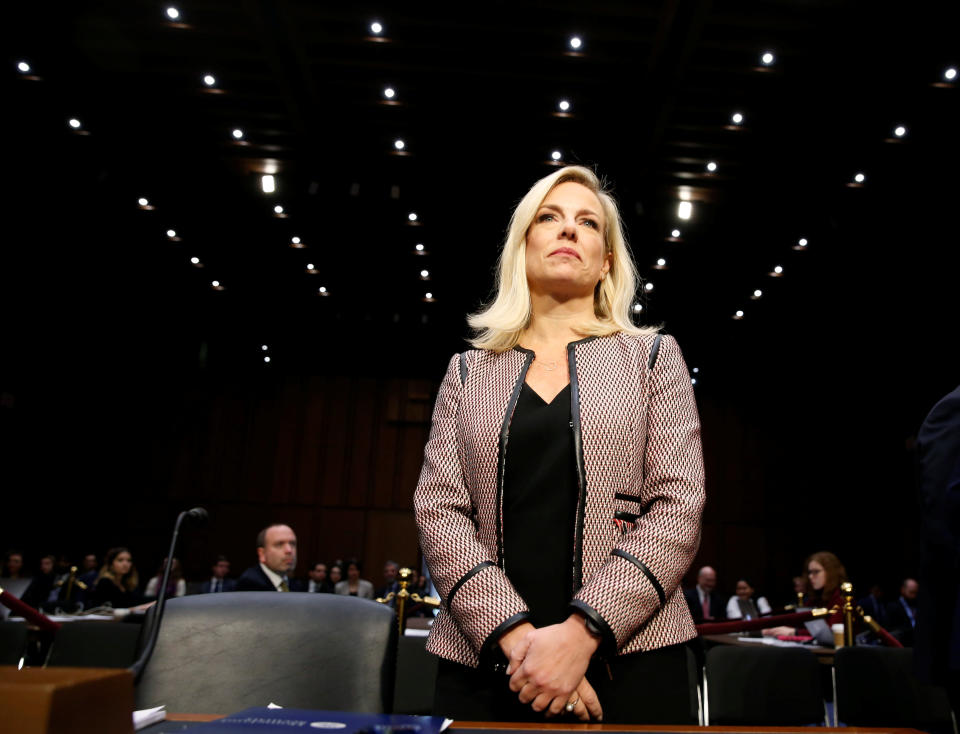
(416, 677)
(220, 653)
(13, 642)
(875, 686)
(95, 644)
(763, 686)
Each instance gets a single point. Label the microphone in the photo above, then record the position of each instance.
(198, 515)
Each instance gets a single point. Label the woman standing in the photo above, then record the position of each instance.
(560, 500)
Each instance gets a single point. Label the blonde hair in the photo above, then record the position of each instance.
(499, 325)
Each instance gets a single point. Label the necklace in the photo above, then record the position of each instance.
(548, 366)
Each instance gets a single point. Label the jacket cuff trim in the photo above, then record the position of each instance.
(608, 640)
(491, 655)
(647, 572)
(465, 578)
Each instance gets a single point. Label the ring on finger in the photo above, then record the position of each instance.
(571, 705)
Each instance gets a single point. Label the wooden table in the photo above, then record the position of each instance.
(476, 726)
(824, 654)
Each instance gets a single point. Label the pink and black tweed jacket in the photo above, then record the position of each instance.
(640, 469)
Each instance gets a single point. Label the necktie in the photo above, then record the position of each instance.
(283, 586)
(216, 586)
(706, 606)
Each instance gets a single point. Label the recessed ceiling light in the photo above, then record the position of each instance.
(900, 131)
(778, 270)
(757, 293)
(376, 28)
(237, 133)
(767, 59)
(278, 209)
(195, 260)
(556, 155)
(268, 183)
(294, 240)
(736, 118)
(637, 308)
(173, 13)
(661, 262)
(322, 289)
(738, 315)
(576, 42)
(412, 216)
(74, 123)
(209, 80)
(695, 370)
(266, 359)
(859, 178)
(428, 295)
(424, 273)
(564, 105)
(648, 287)
(685, 209)
(950, 74)
(389, 93)
(310, 266)
(143, 202)
(675, 234)
(711, 166)
(802, 242)
(171, 233)
(215, 283)
(419, 248)
(399, 144)
(23, 67)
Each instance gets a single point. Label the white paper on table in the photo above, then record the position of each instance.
(146, 717)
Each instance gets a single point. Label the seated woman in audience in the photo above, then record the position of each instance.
(824, 573)
(117, 582)
(335, 574)
(176, 586)
(353, 585)
(745, 603)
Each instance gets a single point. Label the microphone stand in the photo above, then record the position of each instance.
(197, 513)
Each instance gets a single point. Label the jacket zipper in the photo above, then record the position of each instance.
(502, 458)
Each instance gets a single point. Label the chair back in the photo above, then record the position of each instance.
(94, 644)
(763, 686)
(876, 686)
(13, 642)
(220, 653)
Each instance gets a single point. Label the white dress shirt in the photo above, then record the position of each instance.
(275, 578)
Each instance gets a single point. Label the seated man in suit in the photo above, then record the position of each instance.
(219, 581)
(277, 555)
(706, 605)
(902, 614)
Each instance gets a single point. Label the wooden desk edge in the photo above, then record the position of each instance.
(529, 726)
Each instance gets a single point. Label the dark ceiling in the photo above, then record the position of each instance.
(91, 279)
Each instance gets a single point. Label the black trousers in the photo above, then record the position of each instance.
(642, 688)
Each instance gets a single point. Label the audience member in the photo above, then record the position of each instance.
(176, 586)
(872, 605)
(42, 584)
(825, 573)
(277, 556)
(336, 573)
(218, 580)
(902, 613)
(353, 585)
(12, 565)
(745, 604)
(117, 583)
(319, 583)
(706, 604)
(390, 569)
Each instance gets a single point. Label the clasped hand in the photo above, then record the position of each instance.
(548, 665)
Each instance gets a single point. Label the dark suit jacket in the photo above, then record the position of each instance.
(226, 585)
(898, 623)
(938, 449)
(254, 579)
(718, 606)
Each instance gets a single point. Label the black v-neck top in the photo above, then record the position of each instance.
(540, 504)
